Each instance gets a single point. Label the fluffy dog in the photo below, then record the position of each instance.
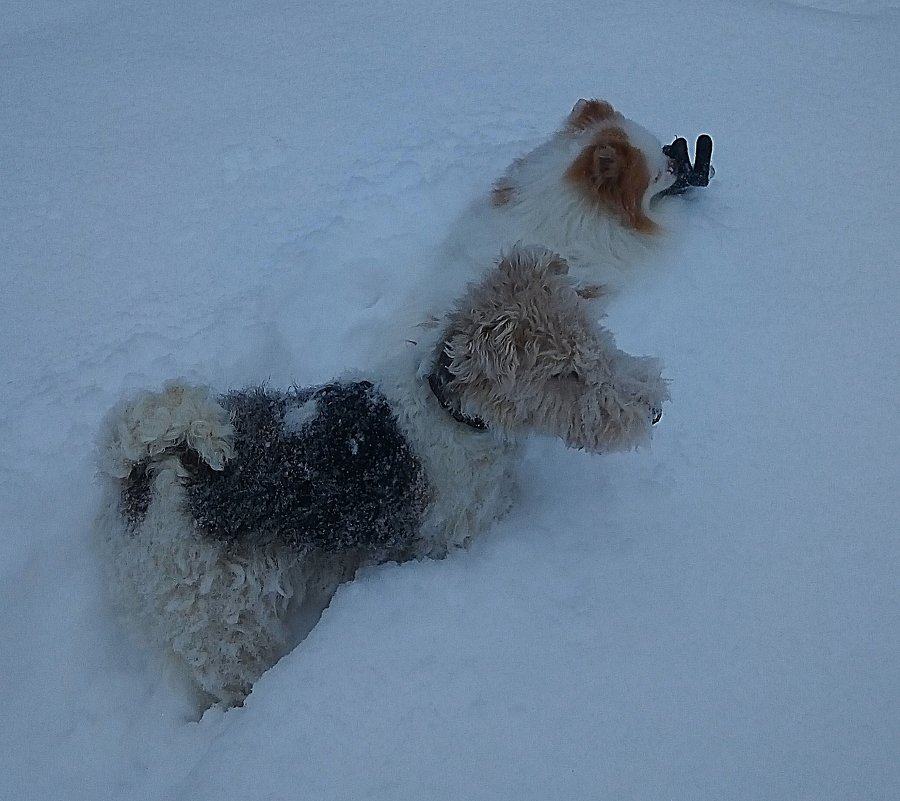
(222, 513)
(590, 193)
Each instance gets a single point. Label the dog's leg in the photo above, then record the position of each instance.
(218, 608)
(225, 616)
(216, 612)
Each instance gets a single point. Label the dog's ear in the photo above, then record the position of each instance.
(613, 173)
(497, 349)
(488, 352)
(587, 112)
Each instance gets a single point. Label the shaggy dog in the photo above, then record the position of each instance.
(590, 193)
(223, 512)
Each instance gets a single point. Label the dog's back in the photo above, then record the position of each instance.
(323, 467)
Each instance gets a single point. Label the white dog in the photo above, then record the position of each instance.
(590, 193)
(222, 513)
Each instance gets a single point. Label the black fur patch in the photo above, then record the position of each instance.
(319, 467)
(136, 494)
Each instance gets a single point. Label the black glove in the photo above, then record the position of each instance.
(687, 174)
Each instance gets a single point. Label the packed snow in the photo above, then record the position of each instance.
(240, 193)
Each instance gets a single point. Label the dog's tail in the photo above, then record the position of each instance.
(153, 424)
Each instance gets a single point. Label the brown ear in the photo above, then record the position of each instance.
(587, 112)
(612, 173)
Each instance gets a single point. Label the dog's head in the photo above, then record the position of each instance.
(524, 353)
(620, 166)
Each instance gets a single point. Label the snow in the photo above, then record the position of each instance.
(247, 193)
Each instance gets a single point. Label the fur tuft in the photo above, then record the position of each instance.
(148, 425)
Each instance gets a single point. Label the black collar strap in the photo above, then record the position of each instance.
(438, 380)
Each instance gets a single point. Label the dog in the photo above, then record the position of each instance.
(592, 193)
(222, 513)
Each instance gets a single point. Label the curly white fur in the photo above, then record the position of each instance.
(219, 610)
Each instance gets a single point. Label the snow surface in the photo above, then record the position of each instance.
(245, 192)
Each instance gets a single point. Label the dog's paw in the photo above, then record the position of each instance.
(653, 401)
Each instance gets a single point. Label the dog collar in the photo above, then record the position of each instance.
(438, 379)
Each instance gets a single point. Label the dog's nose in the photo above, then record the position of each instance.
(656, 415)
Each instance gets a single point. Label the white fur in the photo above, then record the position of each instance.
(547, 209)
(473, 471)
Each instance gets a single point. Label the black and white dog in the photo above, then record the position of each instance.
(222, 513)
